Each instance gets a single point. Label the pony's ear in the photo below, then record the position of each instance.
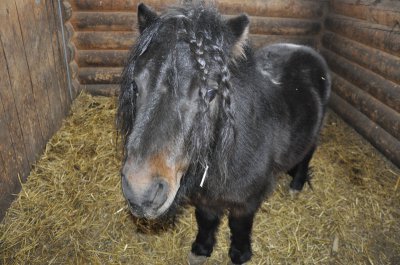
(146, 17)
(239, 26)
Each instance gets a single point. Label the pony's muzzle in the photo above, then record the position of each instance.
(146, 199)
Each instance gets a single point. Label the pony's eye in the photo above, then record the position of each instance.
(210, 94)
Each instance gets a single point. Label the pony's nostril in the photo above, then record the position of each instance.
(158, 194)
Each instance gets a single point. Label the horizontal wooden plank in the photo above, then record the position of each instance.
(119, 40)
(271, 8)
(102, 58)
(124, 40)
(110, 75)
(378, 137)
(382, 89)
(379, 113)
(126, 21)
(378, 61)
(376, 36)
(283, 26)
(104, 21)
(117, 5)
(99, 75)
(380, 12)
(259, 41)
(108, 90)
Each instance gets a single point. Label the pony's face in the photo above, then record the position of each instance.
(169, 108)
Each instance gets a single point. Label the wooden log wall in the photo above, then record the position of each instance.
(106, 29)
(361, 42)
(34, 95)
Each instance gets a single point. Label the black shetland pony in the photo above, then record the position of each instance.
(207, 121)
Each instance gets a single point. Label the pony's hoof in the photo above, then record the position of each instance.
(294, 193)
(196, 260)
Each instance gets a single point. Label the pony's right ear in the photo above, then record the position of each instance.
(146, 17)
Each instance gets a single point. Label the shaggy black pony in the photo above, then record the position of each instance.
(207, 121)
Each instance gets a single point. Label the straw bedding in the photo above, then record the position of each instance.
(71, 210)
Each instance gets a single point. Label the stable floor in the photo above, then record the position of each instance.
(71, 209)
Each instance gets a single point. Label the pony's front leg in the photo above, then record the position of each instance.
(207, 222)
(240, 225)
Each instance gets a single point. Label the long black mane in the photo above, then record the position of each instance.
(204, 30)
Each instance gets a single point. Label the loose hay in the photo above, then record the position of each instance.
(71, 210)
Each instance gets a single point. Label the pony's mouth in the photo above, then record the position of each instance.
(154, 209)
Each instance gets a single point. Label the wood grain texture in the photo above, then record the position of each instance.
(124, 40)
(382, 89)
(20, 79)
(105, 40)
(36, 39)
(380, 12)
(16, 160)
(100, 75)
(102, 58)
(375, 110)
(104, 21)
(271, 8)
(377, 61)
(33, 88)
(57, 62)
(9, 164)
(127, 21)
(108, 90)
(380, 37)
(378, 137)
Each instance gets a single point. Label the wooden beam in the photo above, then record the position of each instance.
(126, 21)
(99, 75)
(259, 41)
(379, 113)
(385, 13)
(382, 89)
(117, 58)
(108, 90)
(271, 8)
(283, 26)
(102, 58)
(379, 62)
(119, 40)
(378, 137)
(104, 21)
(122, 40)
(376, 36)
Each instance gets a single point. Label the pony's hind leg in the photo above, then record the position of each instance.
(301, 173)
(207, 222)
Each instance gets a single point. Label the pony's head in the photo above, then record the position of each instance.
(175, 105)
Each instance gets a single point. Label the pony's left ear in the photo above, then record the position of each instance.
(146, 17)
(239, 27)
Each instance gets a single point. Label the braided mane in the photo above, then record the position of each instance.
(206, 33)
